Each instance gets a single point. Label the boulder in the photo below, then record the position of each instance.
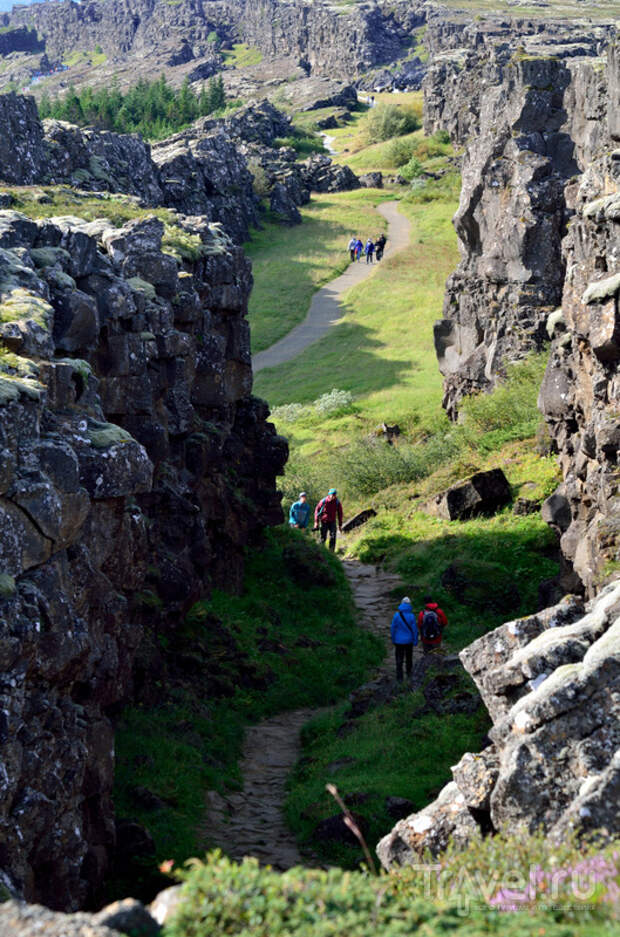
(447, 820)
(483, 493)
(371, 180)
(358, 519)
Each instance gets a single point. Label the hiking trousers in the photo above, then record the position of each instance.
(404, 653)
(329, 527)
(352, 253)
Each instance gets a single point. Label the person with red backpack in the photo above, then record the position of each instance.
(431, 622)
(328, 513)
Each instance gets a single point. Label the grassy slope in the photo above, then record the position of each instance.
(382, 350)
(291, 263)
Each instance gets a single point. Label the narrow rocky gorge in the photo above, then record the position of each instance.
(136, 466)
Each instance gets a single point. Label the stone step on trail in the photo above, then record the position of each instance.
(251, 822)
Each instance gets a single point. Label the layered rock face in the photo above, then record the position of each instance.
(538, 235)
(207, 169)
(340, 43)
(551, 684)
(580, 395)
(526, 117)
(135, 466)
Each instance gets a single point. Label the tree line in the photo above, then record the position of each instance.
(151, 108)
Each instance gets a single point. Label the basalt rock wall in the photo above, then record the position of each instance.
(135, 467)
(580, 395)
(536, 236)
(341, 43)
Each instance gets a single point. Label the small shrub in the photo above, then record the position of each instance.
(260, 182)
(510, 411)
(442, 136)
(390, 120)
(220, 897)
(412, 169)
(400, 152)
(287, 413)
(371, 466)
(304, 144)
(335, 400)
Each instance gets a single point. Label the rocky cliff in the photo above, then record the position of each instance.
(207, 169)
(135, 467)
(580, 395)
(551, 684)
(341, 42)
(540, 125)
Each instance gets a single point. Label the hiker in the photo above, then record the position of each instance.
(380, 246)
(431, 622)
(369, 250)
(300, 512)
(404, 631)
(328, 513)
(352, 247)
(359, 247)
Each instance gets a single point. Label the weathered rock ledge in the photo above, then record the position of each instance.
(551, 684)
(135, 466)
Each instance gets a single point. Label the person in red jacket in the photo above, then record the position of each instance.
(431, 622)
(328, 513)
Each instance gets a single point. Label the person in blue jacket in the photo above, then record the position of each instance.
(300, 512)
(404, 637)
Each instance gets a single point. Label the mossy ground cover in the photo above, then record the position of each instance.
(290, 640)
(291, 263)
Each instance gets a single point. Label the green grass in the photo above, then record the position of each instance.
(603, 9)
(290, 640)
(382, 350)
(374, 759)
(242, 55)
(291, 263)
(85, 57)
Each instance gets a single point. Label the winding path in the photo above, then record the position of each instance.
(325, 308)
(252, 822)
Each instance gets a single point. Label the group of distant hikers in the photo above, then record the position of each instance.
(407, 628)
(371, 249)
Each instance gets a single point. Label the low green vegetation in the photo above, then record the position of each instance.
(370, 759)
(388, 120)
(603, 9)
(459, 898)
(288, 641)
(291, 263)
(151, 108)
(242, 55)
(85, 57)
(305, 143)
(52, 201)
